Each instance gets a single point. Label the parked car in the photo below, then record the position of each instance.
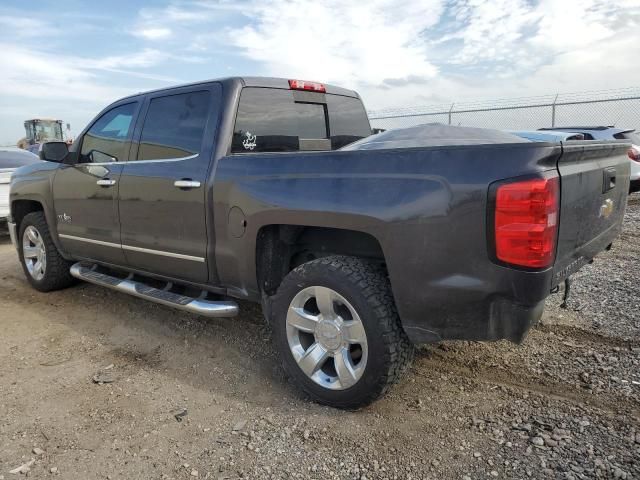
(614, 133)
(11, 159)
(358, 246)
(555, 136)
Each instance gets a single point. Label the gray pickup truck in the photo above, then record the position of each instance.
(358, 246)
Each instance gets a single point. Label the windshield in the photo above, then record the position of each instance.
(634, 137)
(42, 130)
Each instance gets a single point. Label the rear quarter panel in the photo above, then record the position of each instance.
(425, 206)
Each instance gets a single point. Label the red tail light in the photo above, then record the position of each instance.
(311, 86)
(526, 222)
(634, 154)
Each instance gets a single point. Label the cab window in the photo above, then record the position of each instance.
(278, 120)
(174, 126)
(107, 139)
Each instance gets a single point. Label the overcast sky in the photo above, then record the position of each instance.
(68, 58)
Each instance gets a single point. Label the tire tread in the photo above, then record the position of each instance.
(373, 282)
(57, 274)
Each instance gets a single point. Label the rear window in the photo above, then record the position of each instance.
(274, 120)
(633, 137)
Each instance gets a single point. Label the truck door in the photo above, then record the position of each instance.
(163, 188)
(85, 193)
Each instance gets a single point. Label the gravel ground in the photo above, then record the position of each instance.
(605, 294)
(185, 397)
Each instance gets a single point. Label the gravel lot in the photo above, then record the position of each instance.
(186, 397)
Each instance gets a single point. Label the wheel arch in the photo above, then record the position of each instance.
(281, 247)
(21, 207)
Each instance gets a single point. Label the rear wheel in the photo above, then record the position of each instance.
(338, 332)
(45, 268)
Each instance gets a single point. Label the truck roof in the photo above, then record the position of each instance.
(265, 82)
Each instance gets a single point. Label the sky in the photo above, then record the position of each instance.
(68, 59)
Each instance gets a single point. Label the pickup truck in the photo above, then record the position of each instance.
(357, 246)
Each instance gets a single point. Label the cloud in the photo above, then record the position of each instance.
(406, 52)
(177, 19)
(40, 75)
(19, 26)
(153, 33)
(351, 43)
(394, 52)
(70, 87)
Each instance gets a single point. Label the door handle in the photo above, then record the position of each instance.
(106, 182)
(186, 183)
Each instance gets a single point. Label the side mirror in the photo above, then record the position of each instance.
(54, 151)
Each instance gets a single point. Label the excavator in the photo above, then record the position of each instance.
(41, 130)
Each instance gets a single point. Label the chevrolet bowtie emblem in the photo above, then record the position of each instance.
(606, 208)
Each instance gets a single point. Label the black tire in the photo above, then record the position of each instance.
(56, 274)
(366, 287)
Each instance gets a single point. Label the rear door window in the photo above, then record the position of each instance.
(174, 126)
(275, 120)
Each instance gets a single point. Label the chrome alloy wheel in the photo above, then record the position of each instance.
(327, 338)
(34, 253)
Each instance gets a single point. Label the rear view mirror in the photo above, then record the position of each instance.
(54, 151)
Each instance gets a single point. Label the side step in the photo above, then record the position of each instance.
(207, 308)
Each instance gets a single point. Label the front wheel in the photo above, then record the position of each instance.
(338, 332)
(43, 265)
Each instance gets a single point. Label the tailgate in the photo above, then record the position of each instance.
(594, 183)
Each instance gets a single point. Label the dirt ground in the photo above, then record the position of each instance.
(190, 397)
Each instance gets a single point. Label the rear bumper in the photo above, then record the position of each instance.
(13, 233)
(495, 319)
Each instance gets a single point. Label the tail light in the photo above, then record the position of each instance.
(311, 86)
(634, 154)
(526, 222)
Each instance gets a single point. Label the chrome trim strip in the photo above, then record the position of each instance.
(13, 234)
(134, 249)
(162, 160)
(126, 162)
(207, 308)
(90, 240)
(164, 254)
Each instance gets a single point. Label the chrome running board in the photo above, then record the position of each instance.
(207, 308)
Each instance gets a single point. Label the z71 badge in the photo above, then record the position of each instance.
(64, 218)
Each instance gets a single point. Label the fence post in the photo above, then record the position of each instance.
(450, 110)
(553, 111)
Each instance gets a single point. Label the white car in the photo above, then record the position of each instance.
(11, 159)
(612, 133)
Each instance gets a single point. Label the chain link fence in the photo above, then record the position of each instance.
(608, 107)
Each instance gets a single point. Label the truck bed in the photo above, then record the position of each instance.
(427, 207)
